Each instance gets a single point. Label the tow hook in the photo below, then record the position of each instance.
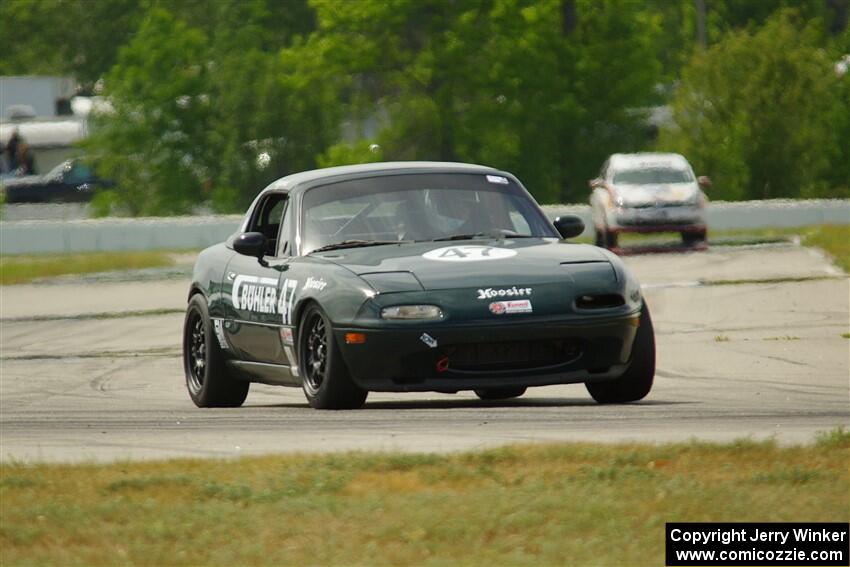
(443, 364)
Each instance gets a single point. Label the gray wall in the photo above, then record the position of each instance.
(45, 236)
(748, 214)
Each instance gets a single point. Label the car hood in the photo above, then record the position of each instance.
(650, 195)
(483, 264)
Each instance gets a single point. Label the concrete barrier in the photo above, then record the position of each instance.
(51, 236)
(744, 215)
(39, 237)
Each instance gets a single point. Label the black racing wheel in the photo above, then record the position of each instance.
(325, 378)
(208, 380)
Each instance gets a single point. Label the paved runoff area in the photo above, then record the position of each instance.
(762, 358)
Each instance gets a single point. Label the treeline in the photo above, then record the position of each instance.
(213, 99)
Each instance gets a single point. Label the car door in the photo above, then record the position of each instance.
(256, 300)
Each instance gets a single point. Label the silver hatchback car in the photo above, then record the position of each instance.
(648, 192)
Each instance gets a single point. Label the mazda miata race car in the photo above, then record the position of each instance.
(411, 276)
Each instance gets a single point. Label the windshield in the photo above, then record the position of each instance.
(652, 175)
(418, 207)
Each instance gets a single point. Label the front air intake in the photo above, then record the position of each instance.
(522, 355)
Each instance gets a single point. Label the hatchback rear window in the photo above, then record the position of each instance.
(646, 176)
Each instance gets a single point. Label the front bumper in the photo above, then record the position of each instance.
(497, 355)
(684, 218)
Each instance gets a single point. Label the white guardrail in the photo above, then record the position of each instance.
(63, 236)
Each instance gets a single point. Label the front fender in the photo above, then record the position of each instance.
(630, 285)
(207, 277)
(338, 291)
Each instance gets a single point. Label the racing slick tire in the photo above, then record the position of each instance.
(636, 382)
(208, 380)
(500, 393)
(693, 238)
(325, 378)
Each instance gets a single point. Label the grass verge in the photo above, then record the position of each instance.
(542, 505)
(832, 239)
(25, 268)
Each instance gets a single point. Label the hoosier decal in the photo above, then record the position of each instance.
(315, 283)
(490, 293)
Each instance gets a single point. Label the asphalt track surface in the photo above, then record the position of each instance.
(764, 359)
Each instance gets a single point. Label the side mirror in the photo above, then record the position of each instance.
(251, 244)
(704, 181)
(594, 183)
(569, 226)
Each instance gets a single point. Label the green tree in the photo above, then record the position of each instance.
(152, 143)
(24, 22)
(215, 111)
(724, 16)
(273, 112)
(501, 82)
(675, 46)
(838, 176)
(757, 110)
(79, 38)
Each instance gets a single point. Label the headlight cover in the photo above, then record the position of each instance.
(412, 312)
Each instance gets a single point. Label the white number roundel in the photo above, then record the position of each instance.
(468, 253)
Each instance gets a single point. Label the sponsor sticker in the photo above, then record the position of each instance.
(428, 340)
(490, 293)
(260, 295)
(218, 327)
(253, 293)
(469, 253)
(498, 179)
(290, 356)
(508, 307)
(286, 336)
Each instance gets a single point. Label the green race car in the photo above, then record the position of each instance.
(411, 276)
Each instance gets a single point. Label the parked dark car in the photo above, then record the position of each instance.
(69, 182)
(411, 276)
